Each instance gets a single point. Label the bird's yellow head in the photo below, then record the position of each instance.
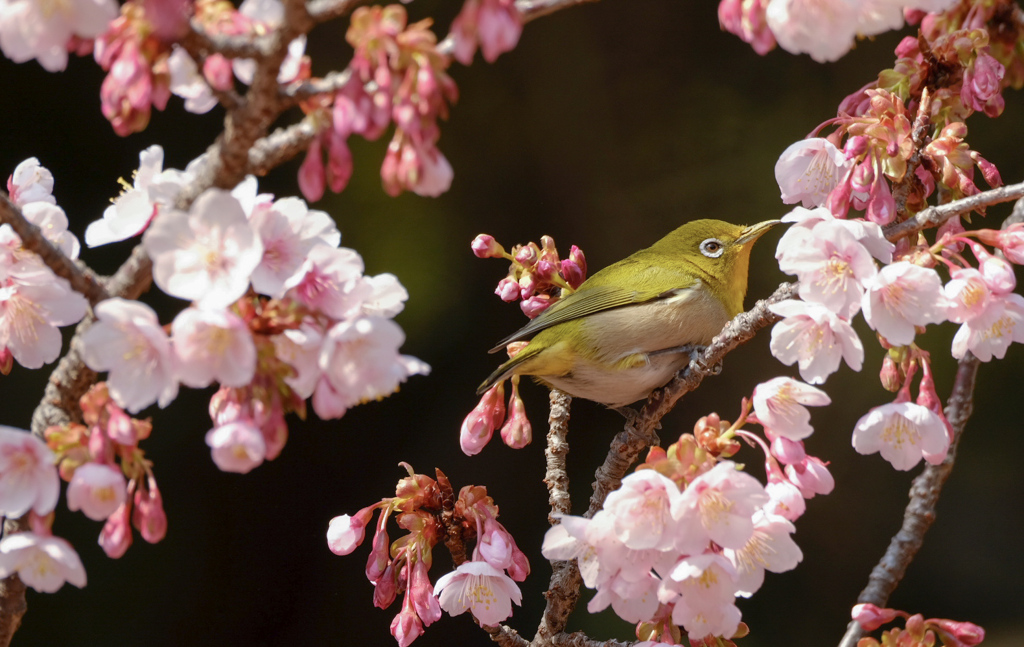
(718, 252)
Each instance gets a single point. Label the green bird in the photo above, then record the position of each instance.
(630, 327)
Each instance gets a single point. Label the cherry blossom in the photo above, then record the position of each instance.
(771, 547)
(823, 29)
(703, 589)
(811, 476)
(300, 349)
(779, 405)
(42, 30)
(30, 182)
(345, 532)
(832, 266)
(717, 505)
(188, 83)
(901, 296)
(387, 295)
(967, 294)
(97, 490)
(990, 333)
(206, 255)
(213, 345)
(360, 362)
(330, 281)
(28, 476)
(128, 341)
(815, 338)
(642, 509)
(902, 432)
(288, 230)
(809, 169)
(237, 446)
(33, 302)
(480, 588)
(153, 190)
(53, 223)
(42, 562)
(486, 416)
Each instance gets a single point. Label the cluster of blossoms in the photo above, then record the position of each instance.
(398, 72)
(33, 300)
(825, 30)
(539, 278)
(429, 511)
(688, 531)
(281, 313)
(919, 632)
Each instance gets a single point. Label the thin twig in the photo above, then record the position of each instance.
(924, 495)
(82, 281)
(533, 9)
(935, 216)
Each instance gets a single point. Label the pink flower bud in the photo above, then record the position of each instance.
(100, 447)
(882, 206)
(576, 256)
(97, 490)
(6, 361)
(406, 627)
(527, 255)
(484, 246)
(811, 476)
(119, 426)
(149, 516)
(984, 79)
(544, 271)
(339, 162)
(871, 617)
(788, 451)
(217, 72)
(379, 558)
(988, 170)
(312, 177)
(1011, 241)
(967, 633)
(237, 446)
(527, 285)
(479, 425)
(572, 273)
(890, 375)
(345, 533)
(863, 176)
(517, 432)
(520, 567)
(116, 536)
(421, 592)
(908, 48)
(385, 589)
(508, 290)
(535, 305)
(498, 28)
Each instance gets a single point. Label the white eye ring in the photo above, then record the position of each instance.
(712, 248)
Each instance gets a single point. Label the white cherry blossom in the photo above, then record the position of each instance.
(902, 432)
(213, 345)
(815, 338)
(901, 296)
(41, 30)
(42, 562)
(28, 476)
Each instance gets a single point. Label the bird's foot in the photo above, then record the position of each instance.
(629, 413)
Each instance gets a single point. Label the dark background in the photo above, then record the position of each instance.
(607, 127)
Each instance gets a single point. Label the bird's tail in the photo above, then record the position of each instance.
(507, 369)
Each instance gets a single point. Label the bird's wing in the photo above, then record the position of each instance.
(597, 298)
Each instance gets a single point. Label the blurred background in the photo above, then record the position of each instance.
(608, 126)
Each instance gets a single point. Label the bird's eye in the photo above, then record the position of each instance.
(712, 248)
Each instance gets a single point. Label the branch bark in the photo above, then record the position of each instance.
(935, 216)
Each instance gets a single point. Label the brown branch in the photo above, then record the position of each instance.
(282, 145)
(82, 281)
(580, 639)
(506, 636)
(918, 134)
(533, 9)
(935, 216)
(924, 495)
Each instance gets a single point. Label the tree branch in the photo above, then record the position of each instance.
(82, 281)
(935, 216)
(924, 495)
(533, 9)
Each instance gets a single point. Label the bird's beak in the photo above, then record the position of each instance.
(753, 232)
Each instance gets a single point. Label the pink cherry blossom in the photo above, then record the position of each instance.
(154, 189)
(784, 500)
(288, 230)
(779, 405)
(33, 302)
(479, 588)
(206, 255)
(746, 19)
(30, 182)
(867, 233)
(642, 508)
(300, 349)
(814, 337)
(387, 295)
(717, 505)
(785, 450)
(188, 83)
(809, 169)
(53, 223)
(825, 29)
(967, 294)
(990, 333)
(811, 476)
(330, 281)
(213, 345)
(128, 341)
(832, 266)
(269, 15)
(345, 533)
(771, 547)
(360, 362)
(97, 490)
(703, 589)
(998, 274)
(901, 296)
(28, 476)
(42, 30)
(42, 562)
(902, 432)
(237, 446)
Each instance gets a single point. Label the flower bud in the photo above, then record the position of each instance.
(116, 536)
(149, 516)
(871, 617)
(516, 432)
(6, 361)
(484, 246)
(345, 533)
(967, 633)
(535, 305)
(507, 290)
(527, 255)
(890, 375)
